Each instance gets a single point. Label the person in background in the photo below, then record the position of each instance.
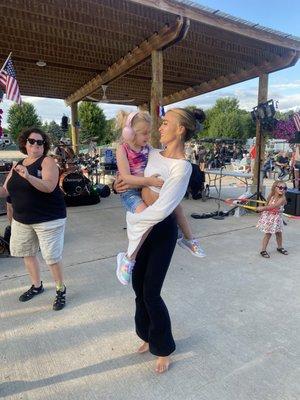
(39, 213)
(202, 157)
(268, 165)
(246, 162)
(270, 220)
(296, 160)
(282, 162)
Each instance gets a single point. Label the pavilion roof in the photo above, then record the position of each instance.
(80, 39)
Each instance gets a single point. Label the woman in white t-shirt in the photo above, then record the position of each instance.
(152, 319)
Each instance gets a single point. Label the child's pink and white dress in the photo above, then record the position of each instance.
(271, 221)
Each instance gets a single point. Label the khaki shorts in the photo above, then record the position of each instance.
(26, 239)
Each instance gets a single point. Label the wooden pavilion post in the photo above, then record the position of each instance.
(74, 127)
(260, 142)
(156, 94)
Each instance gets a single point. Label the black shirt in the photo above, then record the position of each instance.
(30, 205)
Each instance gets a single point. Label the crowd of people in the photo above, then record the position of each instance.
(277, 164)
(214, 155)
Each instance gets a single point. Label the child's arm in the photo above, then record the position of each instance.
(127, 178)
(278, 204)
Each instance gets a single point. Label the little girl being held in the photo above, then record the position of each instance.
(132, 156)
(270, 220)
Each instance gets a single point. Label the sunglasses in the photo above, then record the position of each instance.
(39, 142)
(282, 188)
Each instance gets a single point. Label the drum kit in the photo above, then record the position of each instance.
(79, 178)
(72, 182)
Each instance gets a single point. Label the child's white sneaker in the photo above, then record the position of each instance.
(193, 246)
(124, 268)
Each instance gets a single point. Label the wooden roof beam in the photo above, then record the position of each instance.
(216, 21)
(166, 37)
(231, 79)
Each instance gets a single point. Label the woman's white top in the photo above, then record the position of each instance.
(176, 174)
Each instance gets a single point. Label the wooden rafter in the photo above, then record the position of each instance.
(166, 37)
(80, 39)
(231, 79)
(213, 19)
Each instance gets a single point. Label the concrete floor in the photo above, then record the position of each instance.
(235, 317)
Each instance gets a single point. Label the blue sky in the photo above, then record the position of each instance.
(284, 86)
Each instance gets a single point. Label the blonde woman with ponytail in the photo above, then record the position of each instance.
(152, 218)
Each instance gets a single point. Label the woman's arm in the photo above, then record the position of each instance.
(3, 192)
(49, 175)
(127, 178)
(3, 189)
(170, 196)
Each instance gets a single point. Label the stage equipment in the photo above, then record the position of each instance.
(83, 200)
(64, 123)
(293, 202)
(219, 215)
(264, 114)
(102, 190)
(74, 184)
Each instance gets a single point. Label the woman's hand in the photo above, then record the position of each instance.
(260, 208)
(155, 181)
(22, 171)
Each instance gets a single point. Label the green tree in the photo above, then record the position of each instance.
(54, 130)
(21, 117)
(92, 122)
(227, 120)
(111, 133)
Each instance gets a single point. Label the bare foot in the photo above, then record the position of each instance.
(143, 348)
(162, 364)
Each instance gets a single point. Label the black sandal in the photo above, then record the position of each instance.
(265, 254)
(282, 251)
(60, 300)
(33, 291)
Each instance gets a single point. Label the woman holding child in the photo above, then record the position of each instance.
(152, 226)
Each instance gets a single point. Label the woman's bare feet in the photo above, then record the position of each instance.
(162, 364)
(143, 348)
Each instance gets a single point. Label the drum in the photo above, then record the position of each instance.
(74, 184)
(72, 166)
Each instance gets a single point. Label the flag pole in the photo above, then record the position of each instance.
(4, 65)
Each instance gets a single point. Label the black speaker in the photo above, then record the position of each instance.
(83, 200)
(102, 190)
(293, 202)
(64, 123)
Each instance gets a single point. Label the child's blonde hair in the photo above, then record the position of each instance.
(272, 192)
(121, 118)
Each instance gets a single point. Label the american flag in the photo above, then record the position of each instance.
(9, 82)
(296, 118)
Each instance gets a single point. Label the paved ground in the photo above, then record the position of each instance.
(235, 317)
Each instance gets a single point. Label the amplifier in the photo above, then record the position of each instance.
(293, 202)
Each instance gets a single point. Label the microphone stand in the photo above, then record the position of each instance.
(219, 216)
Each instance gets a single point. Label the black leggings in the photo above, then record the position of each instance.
(152, 321)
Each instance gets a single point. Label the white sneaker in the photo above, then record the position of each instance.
(193, 246)
(124, 268)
